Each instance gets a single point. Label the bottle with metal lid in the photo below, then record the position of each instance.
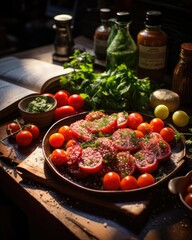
(63, 40)
(152, 48)
(101, 35)
(182, 75)
(123, 49)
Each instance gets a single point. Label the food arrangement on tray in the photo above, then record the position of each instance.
(103, 143)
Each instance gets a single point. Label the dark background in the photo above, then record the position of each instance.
(29, 24)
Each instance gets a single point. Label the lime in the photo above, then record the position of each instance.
(180, 118)
(161, 111)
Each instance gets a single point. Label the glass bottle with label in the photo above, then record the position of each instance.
(123, 49)
(152, 48)
(182, 75)
(101, 35)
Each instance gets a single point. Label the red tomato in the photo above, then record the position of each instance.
(145, 128)
(188, 199)
(94, 115)
(145, 179)
(12, 128)
(134, 120)
(58, 157)
(125, 139)
(56, 140)
(106, 124)
(66, 132)
(128, 183)
(34, 130)
(62, 98)
(24, 138)
(157, 124)
(76, 101)
(189, 188)
(125, 163)
(146, 161)
(122, 119)
(70, 143)
(63, 112)
(80, 131)
(91, 160)
(167, 134)
(139, 134)
(74, 154)
(111, 181)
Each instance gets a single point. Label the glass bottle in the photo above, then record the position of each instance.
(182, 75)
(101, 35)
(152, 48)
(63, 40)
(113, 30)
(123, 49)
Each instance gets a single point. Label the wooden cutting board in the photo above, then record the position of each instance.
(35, 168)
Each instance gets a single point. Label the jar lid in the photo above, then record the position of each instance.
(187, 46)
(105, 13)
(186, 50)
(153, 18)
(123, 17)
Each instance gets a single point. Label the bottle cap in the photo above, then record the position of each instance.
(105, 13)
(123, 17)
(153, 18)
(186, 50)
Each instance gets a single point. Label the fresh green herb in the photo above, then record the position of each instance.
(117, 89)
(39, 104)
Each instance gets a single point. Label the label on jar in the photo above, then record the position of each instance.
(152, 57)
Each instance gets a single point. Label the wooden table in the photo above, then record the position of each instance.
(55, 212)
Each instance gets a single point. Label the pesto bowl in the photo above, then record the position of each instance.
(43, 118)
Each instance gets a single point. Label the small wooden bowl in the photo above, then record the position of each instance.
(42, 119)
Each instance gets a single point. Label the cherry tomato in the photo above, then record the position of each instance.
(12, 128)
(122, 119)
(111, 181)
(91, 160)
(62, 98)
(71, 142)
(145, 180)
(157, 124)
(167, 134)
(134, 120)
(66, 132)
(56, 140)
(34, 130)
(128, 183)
(188, 199)
(63, 111)
(189, 188)
(139, 134)
(76, 101)
(145, 128)
(24, 138)
(58, 157)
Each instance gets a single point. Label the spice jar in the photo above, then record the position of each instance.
(182, 75)
(63, 40)
(101, 35)
(152, 48)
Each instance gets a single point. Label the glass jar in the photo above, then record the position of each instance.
(101, 35)
(182, 75)
(123, 49)
(152, 49)
(63, 43)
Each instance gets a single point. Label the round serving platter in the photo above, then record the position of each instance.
(162, 174)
